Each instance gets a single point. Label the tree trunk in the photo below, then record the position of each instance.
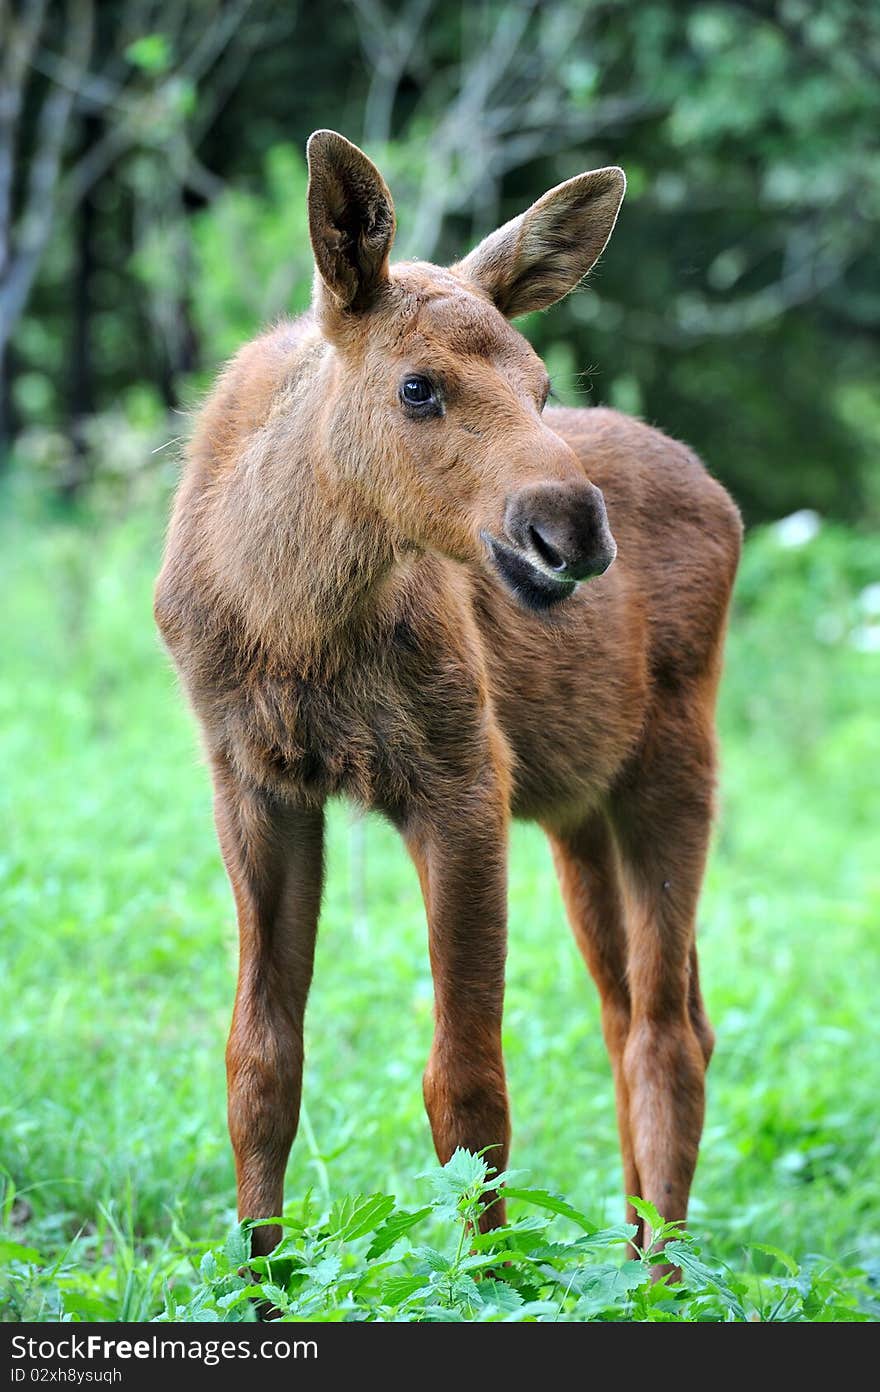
(6, 409)
(81, 383)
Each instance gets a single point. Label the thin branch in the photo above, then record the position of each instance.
(510, 108)
(390, 46)
(94, 90)
(93, 165)
(21, 38)
(200, 179)
(458, 136)
(700, 319)
(229, 70)
(35, 223)
(122, 134)
(214, 39)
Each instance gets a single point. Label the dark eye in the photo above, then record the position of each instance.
(418, 393)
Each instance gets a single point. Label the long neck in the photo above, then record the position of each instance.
(296, 561)
(303, 577)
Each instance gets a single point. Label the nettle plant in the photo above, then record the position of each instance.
(364, 1260)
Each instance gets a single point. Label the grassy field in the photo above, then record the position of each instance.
(118, 950)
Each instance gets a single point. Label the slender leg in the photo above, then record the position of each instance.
(274, 857)
(663, 821)
(697, 1009)
(462, 869)
(589, 875)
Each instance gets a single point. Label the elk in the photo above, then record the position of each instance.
(393, 575)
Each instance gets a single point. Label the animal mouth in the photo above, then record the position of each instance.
(528, 581)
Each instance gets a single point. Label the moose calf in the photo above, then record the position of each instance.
(393, 575)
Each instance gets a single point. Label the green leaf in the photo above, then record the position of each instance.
(692, 1267)
(237, 1247)
(274, 1293)
(365, 1215)
(398, 1289)
(393, 1228)
(440, 1314)
(296, 1225)
(542, 1198)
(590, 1242)
(606, 1237)
(170, 1302)
(698, 1276)
(606, 1287)
(537, 1307)
(647, 1211)
(325, 1271)
(151, 53)
(436, 1261)
(527, 1231)
(13, 1251)
(235, 1297)
(479, 1261)
(280, 1266)
(463, 1171)
(783, 1258)
(506, 1177)
(499, 1294)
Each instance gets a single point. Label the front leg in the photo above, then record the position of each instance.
(461, 858)
(274, 857)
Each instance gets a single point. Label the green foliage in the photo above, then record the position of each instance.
(118, 942)
(524, 1271)
(102, 1273)
(253, 259)
(151, 53)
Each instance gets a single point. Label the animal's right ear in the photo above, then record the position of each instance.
(351, 220)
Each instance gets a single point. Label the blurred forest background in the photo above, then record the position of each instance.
(152, 218)
(152, 212)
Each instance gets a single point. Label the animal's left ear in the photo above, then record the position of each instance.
(351, 220)
(537, 258)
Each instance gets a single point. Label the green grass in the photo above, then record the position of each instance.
(118, 949)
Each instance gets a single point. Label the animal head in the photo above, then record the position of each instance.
(433, 401)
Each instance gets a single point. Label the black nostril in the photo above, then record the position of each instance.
(549, 555)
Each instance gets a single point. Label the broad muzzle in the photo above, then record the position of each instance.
(562, 529)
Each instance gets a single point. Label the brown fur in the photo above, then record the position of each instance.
(368, 604)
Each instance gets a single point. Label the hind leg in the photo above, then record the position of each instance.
(588, 868)
(662, 817)
(697, 1008)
